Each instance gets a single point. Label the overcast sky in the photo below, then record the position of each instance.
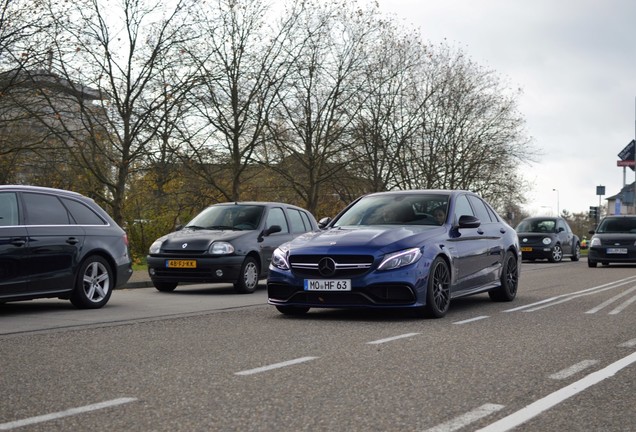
(575, 61)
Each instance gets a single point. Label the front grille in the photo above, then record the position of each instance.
(345, 266)
(619, 242)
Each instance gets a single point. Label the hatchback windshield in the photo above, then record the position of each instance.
(617, 225)
(399, 209)
(537, 226)
(239, 217)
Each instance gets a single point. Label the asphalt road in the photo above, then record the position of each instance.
(562, 357)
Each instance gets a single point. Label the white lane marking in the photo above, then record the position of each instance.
(622, 306)
(592, 290)
(574, 369)
(471, 319)
(390, 339)
(610, 301)
(466, 419)
(275, 366)
(534, 409)
(628, 344)
(66, 413)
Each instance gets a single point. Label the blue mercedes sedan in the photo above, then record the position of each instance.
(415, 250)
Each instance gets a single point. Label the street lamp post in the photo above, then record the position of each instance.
(558, 209)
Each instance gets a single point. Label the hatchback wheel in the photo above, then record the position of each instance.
(165, 286)
(557, 254)
(248, 279)
(591, 264)
(438, 289)
(577, 253)
(93, 285)
(507, 291)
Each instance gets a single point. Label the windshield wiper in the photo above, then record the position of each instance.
(194, 227)
(221, 227)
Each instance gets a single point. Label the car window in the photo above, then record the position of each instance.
(296, 221)
(42, 209)
(306, 221)
(277, 217)
(8, 209)
(81, 213)
(462, 207)
(480, 209)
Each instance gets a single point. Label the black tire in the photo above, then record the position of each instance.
(94, 283)
(591, 264)
(577, 253)
(292, 310)
(507, 291)
(248, 279)
(438, 289)
(165, 286)
(556, 255)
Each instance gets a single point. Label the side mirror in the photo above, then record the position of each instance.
(271, 230)
(466, 221)
(324, 222)
(591, 232)
(178, 227)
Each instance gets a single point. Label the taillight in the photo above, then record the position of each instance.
(126, 239)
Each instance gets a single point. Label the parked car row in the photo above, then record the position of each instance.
(413, 250)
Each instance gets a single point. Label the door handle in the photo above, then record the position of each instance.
(72, 241)
(480, 232)
(17, 241)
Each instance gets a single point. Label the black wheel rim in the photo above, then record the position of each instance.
(441, 290)
(512, 277)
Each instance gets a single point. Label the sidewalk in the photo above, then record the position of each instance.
(139, 279)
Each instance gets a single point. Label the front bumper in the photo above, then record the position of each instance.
(536, 252)
(391, 289)
(208, 269)
(599, 254)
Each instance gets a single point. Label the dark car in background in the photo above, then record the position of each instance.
(57, 243)
(227, 242)
(613, 241)
(547, 237)
(414, 250)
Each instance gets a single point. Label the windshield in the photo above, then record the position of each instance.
(537, 226)
(230, 217)
(617, 225)
(398, 209)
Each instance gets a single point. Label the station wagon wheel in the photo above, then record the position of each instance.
(248, 278)
(557, 253)
(507, 291)
(93, 284)
(438, 289)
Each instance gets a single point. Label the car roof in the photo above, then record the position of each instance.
(30, 188)
(258, 203)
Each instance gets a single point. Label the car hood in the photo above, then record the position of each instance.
(199, 239)
(535, 235)
(363, 239)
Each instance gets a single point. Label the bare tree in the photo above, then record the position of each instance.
(311, 128)
(116, 51)
(242, 69)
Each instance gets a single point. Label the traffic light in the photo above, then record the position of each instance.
(593, 212)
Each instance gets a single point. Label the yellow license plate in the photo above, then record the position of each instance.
(181, 263)
(526, 249)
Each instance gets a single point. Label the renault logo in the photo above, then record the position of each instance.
(327, 267)
(183, 246)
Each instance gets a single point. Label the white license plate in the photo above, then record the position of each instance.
(616, 250)
(327, 284)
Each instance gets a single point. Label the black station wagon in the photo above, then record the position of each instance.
(228, 242)
(57, 243)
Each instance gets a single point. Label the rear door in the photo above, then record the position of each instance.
(13, 248)
(55, 243)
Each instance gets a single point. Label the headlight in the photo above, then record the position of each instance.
(595, 241)
(400, 259)
(279, 258)
(155, 247)
(546, 240)
(221, 248)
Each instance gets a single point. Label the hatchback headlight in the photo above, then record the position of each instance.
(595, 241)
(155, 248)
(546, 240)
(400, 259)
(221, 248)
(279, 258)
